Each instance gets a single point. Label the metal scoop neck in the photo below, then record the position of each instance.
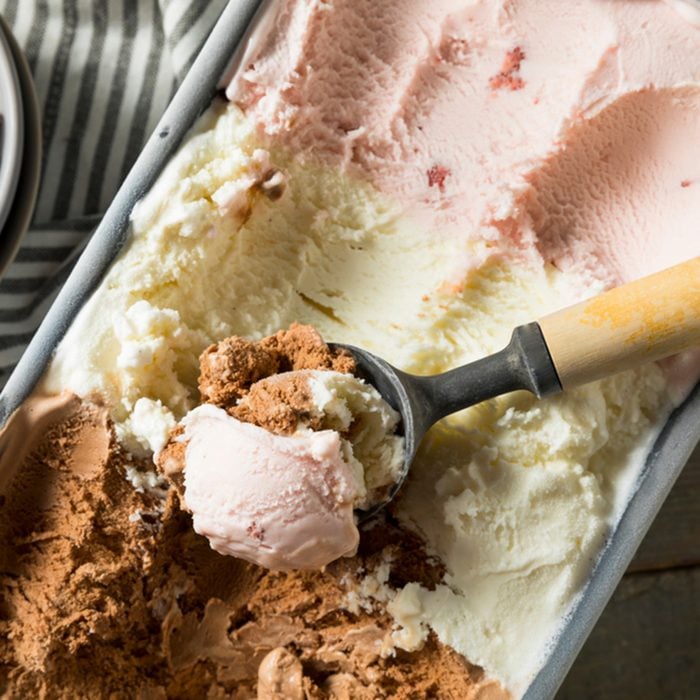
(421, 401)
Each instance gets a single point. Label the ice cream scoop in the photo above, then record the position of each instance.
(277, 480)
(638, 322)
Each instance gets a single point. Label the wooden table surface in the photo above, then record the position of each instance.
(646, 645)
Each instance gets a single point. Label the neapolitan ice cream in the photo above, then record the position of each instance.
(415, 178)
(275, 464)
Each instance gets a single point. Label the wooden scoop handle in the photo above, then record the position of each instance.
(638, 322)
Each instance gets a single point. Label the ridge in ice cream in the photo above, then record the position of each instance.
(286, 446)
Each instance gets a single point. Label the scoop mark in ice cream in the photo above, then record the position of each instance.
(88, 436)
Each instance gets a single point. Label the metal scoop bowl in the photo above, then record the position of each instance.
(422, 401)
(635, 323)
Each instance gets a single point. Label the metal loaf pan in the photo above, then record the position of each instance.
(668, 457)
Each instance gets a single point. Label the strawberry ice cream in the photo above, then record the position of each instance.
(282, 502)
(545, 162)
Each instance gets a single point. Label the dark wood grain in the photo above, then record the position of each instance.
(674, 537)
(646, 645)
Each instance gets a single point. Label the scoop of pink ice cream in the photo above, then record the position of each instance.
(688, 9)
(282, 501)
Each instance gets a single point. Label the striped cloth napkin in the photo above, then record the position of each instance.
(104, 72)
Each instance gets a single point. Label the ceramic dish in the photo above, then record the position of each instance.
(11, 127)
(16, 213)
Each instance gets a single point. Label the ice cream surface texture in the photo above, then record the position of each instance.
(415, 178)
(107, 591)
(283, 502)
(274, 468)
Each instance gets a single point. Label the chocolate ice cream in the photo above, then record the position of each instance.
(108, 592)
(235, 368)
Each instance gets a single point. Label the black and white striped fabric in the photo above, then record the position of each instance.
(104, 72)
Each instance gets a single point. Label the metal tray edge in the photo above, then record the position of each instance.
(194, 95)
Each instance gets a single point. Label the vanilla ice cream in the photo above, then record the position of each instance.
(417, 178)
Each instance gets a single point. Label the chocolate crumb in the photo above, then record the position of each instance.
(278, 404)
